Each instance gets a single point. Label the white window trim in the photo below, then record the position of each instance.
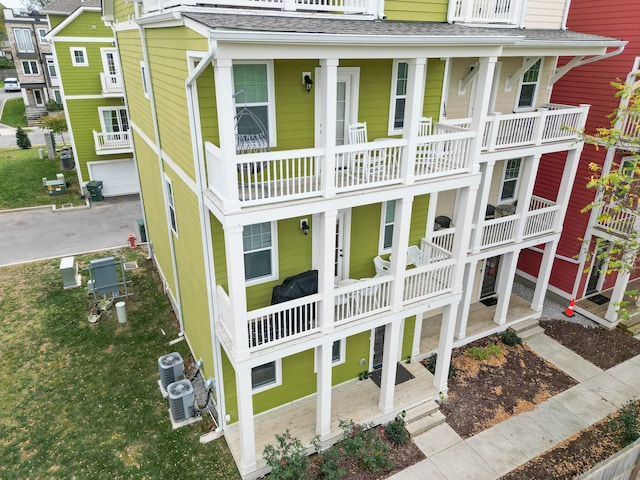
(394, 96)
(340, 361)
(28, 33)
(517, 180)
(145, 80)
(84, 55)
(276, 383)
(274, 259)
(30, 63)
(170, 205)
(108, 109)
(383, 224)
(49, 61)
(271, 95)
(534, 100)
(41, 38)
(57, 98)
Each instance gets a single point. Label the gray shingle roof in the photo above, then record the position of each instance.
(68, 6)
(338, 26)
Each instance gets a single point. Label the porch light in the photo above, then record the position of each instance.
(308, 82)
(304, 226)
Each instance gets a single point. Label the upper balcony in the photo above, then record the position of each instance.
(111, 84)
(367, 7)
(272, 177)
(630, 131)
(617, 224)
(487, 11)
(108, 143)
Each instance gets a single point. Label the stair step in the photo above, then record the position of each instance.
(531, 333)
(420, 411)
(630, 322)
(423, 424)
(635, 330)
(527, 324)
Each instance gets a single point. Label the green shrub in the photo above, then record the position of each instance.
(288, 459)
(53, 106)
(329, 464)
(510, 338)
(626, 426)
(477, 353)
(494, 350)
(366, 444)
(395, 432)
(22, 139)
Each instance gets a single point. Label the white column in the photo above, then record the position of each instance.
(402, 224)
(568, 177)
(506, 274)
(465, 302)
(223, 79)
(486, 169)
(445, 345)
(245, 419)
(417, 334)
(389, 364)
(617, 295)
(544, 275)
(328, 86)
(465, 200)
(236, 290)
(323, 386)
(487, 66)
(528, 177)
(323, 257)
(412, 115)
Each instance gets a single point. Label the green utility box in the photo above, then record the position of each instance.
(95, 190)
(142, 230)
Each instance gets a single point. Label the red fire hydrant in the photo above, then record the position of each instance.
(132, 240)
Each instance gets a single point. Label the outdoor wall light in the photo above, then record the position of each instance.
(304, 226)
(306, 81)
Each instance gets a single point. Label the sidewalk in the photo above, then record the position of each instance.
(507, 445)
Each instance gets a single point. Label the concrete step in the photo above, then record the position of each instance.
(520, 326)
(528, 329)
(423, 424)
(635, 330)
(420, 411)
(531, 333)
(629, 322)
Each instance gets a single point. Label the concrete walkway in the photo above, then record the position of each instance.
(509, 444)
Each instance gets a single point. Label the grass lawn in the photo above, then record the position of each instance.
(13, 113)
(21, 173)
(81, 400)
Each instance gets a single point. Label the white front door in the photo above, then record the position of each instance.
(341, 255)
(347, 87)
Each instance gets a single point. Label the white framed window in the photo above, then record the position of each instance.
(51, 67)
(260, 252)
(253, 84)
(171, 206)
(79, 57)
(509, 187)
(143, 76)
(24, 41)
(41, 33)
(386, 226)
(266, 376)
(114, 119)
(399, 81)
(30, 67)
(528, 90)
(57, 96)
(338, 354)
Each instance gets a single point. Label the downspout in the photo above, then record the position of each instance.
(523, 14)
(565, 15)
(156, 131)
(205, 225)
(451, 10)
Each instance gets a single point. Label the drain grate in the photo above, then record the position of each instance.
(130, 265)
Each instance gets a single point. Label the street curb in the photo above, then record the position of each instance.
(87, 205)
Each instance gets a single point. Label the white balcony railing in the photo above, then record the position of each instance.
(337, 6)
(111, 84)
(618, 223)
(631, 126)
(487, 11)
(112, 142)
(271, 177)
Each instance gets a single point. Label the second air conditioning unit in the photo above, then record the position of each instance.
(181, 400)
(171, 368)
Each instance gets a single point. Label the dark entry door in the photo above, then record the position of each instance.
(378, 348)
(596, 268)
(490, 277)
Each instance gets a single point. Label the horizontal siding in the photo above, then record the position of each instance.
(433, 88)
(207, 106)
(416, 10)
(123, 10)
(87, 24)
(78, 80)
(419, 211)
(544, 14)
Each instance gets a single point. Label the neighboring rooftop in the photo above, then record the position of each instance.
(65, 7)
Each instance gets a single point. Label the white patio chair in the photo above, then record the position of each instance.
(418, 256)
(366, 165)
(383, 267)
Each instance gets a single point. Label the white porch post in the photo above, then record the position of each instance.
(465, 200)
(412, 115)
(528, 176)
(486, 169)
(245, 419)
(445, 345)
(506, 274)
(323, 258)
(223, 79)
(544, 274)
(237, 290)
(617, 295)
(462, 316)
(328, 85)
(389, 364)
(487, 66)
(568, 177)
(402, 224)
(417, 334)
(323, 386)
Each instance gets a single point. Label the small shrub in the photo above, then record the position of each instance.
(288, 459)
(395, 432)
(510, 338)
(494, 350)
(53, 106)
(626, 426)
(329, 464)
(22, 139)
(365, 444)
(477, 353)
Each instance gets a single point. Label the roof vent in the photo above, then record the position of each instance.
(181, 400)
(171, 367)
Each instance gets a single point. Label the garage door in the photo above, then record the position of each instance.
(118, 177)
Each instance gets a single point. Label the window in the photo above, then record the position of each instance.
(253, 88)
(266, 376)
(24, 42)
(337, 354)
(51, 67)
(57, 96)
(143, 75)
(171, 208)
(509, 188)
(30, 67)
(259, 251)
(41, 33)
(529, 86)
(388, 217)
(398, 96)
(79, 57)
(114, 119)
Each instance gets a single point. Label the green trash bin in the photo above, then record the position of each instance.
(95, 190)
(142, 230)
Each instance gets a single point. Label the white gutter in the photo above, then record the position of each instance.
(205, 225)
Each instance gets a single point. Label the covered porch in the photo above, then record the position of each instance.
(596, 306)
(353, 400)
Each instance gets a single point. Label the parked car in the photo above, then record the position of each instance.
(11, 85)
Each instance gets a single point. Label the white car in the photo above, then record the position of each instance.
(11, 85)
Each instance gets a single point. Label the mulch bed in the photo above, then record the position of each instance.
(604, 348)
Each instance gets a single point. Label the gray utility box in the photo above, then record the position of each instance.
(55, 187)
(105, 276)
(181, 400)
(69, 272)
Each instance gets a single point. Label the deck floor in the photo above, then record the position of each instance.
(591, 309)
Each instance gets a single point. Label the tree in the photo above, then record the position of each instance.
(618, 189)
(22, 139)
(56, 123)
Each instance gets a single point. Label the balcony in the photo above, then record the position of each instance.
(487, 11)
(327, 6)
(630, 130)
(111, 85)
(287, 321)
(617, 223)
(548, 124)
(272, 177)
(108, 143)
